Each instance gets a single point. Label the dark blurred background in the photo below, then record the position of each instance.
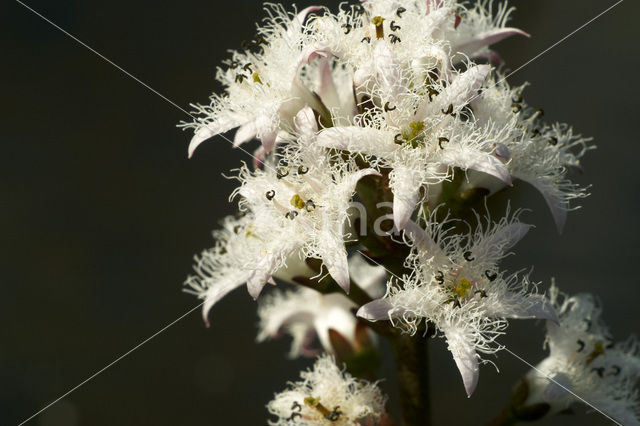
(102, 212)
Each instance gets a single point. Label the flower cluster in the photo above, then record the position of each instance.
(585, 359)
(401, 104)
(327, 395)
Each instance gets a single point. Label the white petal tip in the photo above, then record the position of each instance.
(377, 310)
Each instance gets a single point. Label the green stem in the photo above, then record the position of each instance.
(412, 365)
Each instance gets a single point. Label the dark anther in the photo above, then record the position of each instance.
(553, 141)
(234, 64)
(310, 206)
(260, 40)
(394, 38)
(581, 344)
(535, 132)
(467, 256)
(236, 229)
(483, 293)
(294, 415)
(432, 92)
(588, 321)
(239, 78)
(246, 45)
(490, 276)
(334, 416)
(296, 406)
(394, 27)
(440, 277)
(518, 98)
(358, 8)
(400, 11)
(302, 170)
(367, 39)
(440, 140)
(599, 370)
(449, 111)
(610, 345)
(616, 370)
(280, 173)
(388, 108)
(291, 215)
(540, 112)
(398, 139)
(347, 28)
(270, 195)
(247, 68)
(456, 302)
(516, 108)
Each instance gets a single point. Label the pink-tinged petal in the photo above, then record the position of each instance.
(434, 5)
(296, 23)
(200, 136)
(245, 133)
(488, 38)
(258, 157)
(217, 291)
(477, 160)
(464, 355)
(306, 122)
(358, 139)
(490, 56)
(376, 310)
(269, 140)
(502, 152)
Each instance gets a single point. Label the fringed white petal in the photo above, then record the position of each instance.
(488, 38)
(375, 311)
(476, 160)
(465, 356)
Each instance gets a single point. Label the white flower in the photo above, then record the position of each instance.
(584, 359)
(306, 201)
(327, 395)
(239, 245)
(539, 155)
(306, 314)
(263, 88)
(456, 285)
(290, 214)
